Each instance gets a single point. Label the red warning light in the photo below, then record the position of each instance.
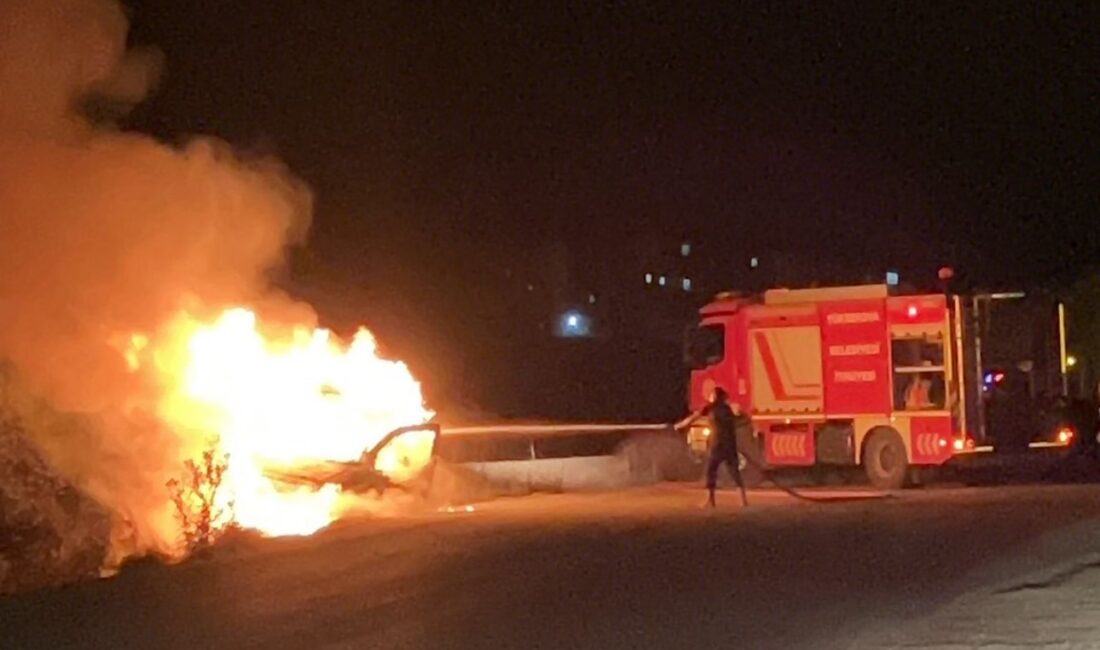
(911, 311)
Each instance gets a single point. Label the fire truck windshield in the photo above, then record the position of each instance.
(705, 345)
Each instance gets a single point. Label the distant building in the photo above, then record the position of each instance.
(651, 286)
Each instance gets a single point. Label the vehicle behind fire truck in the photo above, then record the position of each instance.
(841, 376)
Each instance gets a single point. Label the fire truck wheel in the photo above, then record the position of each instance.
(884, 459)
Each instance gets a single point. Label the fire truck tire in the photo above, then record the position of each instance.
(884, 459)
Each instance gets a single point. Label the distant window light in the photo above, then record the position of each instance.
(686, 283)
(892, 278)
(685, 249)
(662, 281)
(649, 278)
(591, 298)
(754, 262)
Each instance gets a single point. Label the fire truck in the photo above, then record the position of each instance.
(837, 376)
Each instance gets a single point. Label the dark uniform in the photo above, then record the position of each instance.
(723, 442)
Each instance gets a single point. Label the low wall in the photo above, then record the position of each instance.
(556, 474)
(568, 458)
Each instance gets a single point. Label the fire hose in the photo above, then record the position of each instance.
(539, 429)
(769, 476)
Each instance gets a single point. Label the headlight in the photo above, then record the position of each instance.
(697, 438)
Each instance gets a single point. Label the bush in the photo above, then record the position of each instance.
(51, 532)
(202, 515)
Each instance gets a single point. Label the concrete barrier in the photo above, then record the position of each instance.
(555, 474)
(566, 458)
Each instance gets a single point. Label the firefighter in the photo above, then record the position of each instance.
(722, 444)
(918, 394)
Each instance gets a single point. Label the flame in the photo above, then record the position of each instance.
(282, 402)
(132, 354)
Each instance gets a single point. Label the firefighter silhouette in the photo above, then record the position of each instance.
(724, 422)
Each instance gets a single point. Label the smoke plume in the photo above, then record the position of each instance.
(104, 233)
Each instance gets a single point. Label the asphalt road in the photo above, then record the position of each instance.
(640, 569)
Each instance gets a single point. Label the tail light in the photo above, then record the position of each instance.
(1065, 435)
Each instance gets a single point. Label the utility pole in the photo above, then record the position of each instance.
(1062, 358)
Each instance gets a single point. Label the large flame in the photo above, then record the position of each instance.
(282, 402)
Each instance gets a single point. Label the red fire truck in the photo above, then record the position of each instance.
(841, 375)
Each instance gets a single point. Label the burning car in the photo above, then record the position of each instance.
(395, 462)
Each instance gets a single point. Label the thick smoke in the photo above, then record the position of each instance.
(104, 233)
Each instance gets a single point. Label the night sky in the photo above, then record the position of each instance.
(441, 138)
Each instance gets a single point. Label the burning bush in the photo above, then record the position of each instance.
(203, 511)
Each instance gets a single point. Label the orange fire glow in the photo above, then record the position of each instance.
(282, 401)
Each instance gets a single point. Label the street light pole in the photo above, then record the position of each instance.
(1062, 360)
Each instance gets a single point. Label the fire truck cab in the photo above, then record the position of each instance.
(839, 375)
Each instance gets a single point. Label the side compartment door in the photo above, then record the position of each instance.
(786, 369)
(857, 357)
